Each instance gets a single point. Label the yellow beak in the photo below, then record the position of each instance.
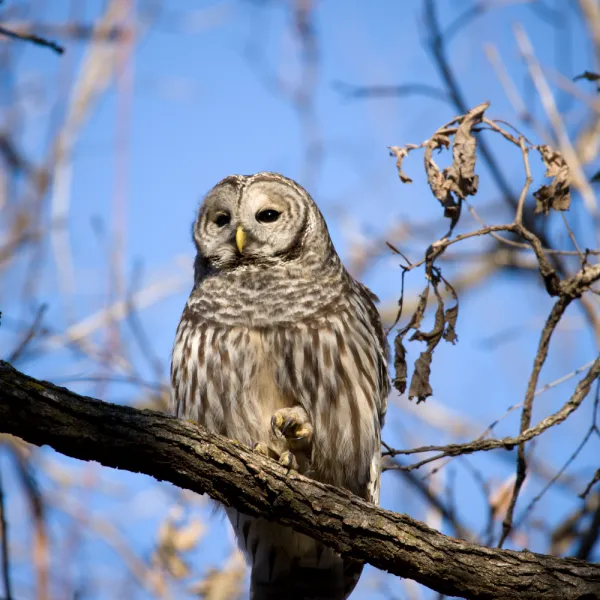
(240, 239)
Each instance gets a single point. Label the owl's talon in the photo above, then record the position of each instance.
(289, 422)
(292, 423)
(264, 450)
(288, 460)
(275, 426)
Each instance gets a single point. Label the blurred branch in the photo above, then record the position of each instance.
(348, 90)
(590, 536)
(4, 546)
(188, 456)
(30, 37)
(40, 547)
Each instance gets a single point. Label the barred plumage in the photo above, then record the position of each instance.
(275, 323)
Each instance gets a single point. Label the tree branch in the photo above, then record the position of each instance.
(188, 456)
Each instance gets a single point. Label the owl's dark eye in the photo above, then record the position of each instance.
(222, 219)
(267, 216)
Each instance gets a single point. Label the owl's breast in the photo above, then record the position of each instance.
(227, 378)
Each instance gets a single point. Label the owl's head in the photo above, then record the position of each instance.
(259, 219)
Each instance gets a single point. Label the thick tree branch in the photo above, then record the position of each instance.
(189, 457)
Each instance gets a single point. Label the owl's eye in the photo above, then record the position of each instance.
(267, 216)
(222, 219)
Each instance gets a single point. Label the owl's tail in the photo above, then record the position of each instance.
(287, 565)
(306, 583)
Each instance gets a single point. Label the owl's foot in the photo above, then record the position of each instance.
(293, 424)
(287, 458)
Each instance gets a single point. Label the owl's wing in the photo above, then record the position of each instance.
(335, 366)
(382, 387)
(382, 347)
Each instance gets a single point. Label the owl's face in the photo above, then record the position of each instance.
(262, 218)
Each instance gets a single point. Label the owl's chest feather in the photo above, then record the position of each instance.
(262, 393)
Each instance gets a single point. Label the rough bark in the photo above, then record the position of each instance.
(189, 457)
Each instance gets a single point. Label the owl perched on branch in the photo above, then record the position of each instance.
(281, 349)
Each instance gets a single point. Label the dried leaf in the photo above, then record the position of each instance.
(443, 327)
(400, 364)
(436, 180)
(401, 154)
(399, 349)
(419, 384)
(435, 334)
(415, 321)
(451, 316)
(450, 331)
(556, 195)
(462, 171)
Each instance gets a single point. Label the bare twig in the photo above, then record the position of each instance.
(540, 358)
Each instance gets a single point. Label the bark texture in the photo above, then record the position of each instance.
(188, 456)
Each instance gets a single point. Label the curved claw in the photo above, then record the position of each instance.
(277, 431)
(286, 425)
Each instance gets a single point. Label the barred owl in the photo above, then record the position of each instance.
(281, 349)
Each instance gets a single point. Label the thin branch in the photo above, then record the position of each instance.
(30, 37)
(540, 358)
(508, 443)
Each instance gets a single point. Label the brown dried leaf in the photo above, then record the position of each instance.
(451, 316)
(436, 180)
(556, 195)
(399, 349)
(462, 171)
(400, 364)
(433, 336)
(419, 384)
(415, 321)
(450, 331)
(443, 327)
(401, 154)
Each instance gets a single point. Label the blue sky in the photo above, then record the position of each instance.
(203, 108)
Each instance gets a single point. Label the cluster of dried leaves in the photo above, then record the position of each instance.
(451, 186)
